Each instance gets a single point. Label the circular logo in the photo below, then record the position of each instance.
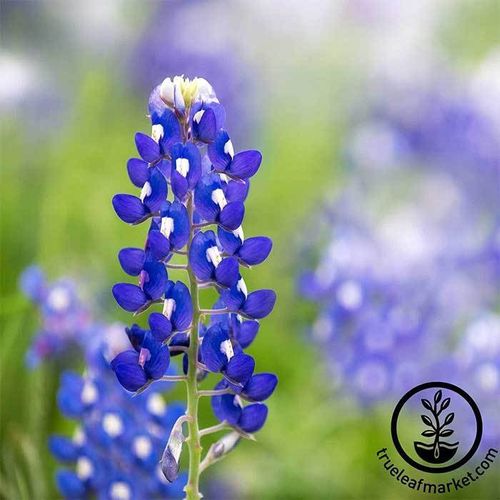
(436, 427)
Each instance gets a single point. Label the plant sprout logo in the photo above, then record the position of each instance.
(452, 432)
(439, 451)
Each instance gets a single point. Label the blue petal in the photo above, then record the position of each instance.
(180, 234)
(147, 147)
(255, 250)
(226, 408)
(232, 215)
(171, 128)
(131, 260)
(32, 282)
(183, 312)
(230, 243)
(211, 353)
(129, 208)
(203, 197)
(180, 184)
(233, 298)
(259, 304)
(69, 395)
(159, 361)
(240, 368)
(206, 129)
(190, 153)
(236, 190)
(220, 160)
(129, 297)
(161, 327)
(157, 245)
(253, 417)
(260, 387)
(227, 272)
(136, 336)
(69, 484)
(63, 448)
(128, 371)
(246, 333)
(201, 266)
(159, 191)
(155, 279)
(245, 164)
(138, 171)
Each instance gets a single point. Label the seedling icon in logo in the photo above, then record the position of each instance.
(438, 454)
(439, 451)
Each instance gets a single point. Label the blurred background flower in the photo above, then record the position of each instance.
(398, 100)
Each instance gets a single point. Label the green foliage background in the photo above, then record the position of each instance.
(56, 211)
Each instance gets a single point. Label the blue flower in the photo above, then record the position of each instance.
(148, 361)
(209, 185)
(239, 166)
(205, 258)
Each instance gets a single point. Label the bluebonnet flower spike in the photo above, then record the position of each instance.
(189, 151)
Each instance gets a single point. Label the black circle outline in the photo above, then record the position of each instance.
(475, 444)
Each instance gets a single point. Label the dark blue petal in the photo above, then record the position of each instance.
(233, 298)
(180, 235)
(183, 311)
(253, 417)
(69, 484)
(128, 371)
(213, 356)
(232, 215)
(230, 243)
(236, 190)
(226, 408)
(180, 184)
(179, 339)
(159, 190)
(147, 147)
(219, 158)
(129, 297)
(131, 260)
(63, 448)
(246, 333)
(129, 208)
(171, 129)
(159, 361)
(240, 368)
(227, 272)
(206, 207)
(155, 279)
(245, 164)
(201, 266)
(255, 250)
(259, 304)
(157, 245)
(161, 327)
(260, 387)
(186, 162)
(138, 171)
(136, 336)
(205, 127)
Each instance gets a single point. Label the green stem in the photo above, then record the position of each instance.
(193, 442)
